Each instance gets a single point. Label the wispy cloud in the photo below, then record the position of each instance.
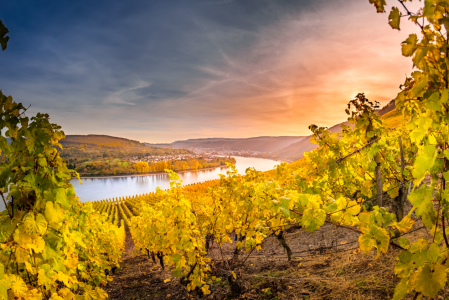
(127, 95)
(165, 70)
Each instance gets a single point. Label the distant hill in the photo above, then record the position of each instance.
(296, 150)
(85, 147)
(104, 141)
(262, 144)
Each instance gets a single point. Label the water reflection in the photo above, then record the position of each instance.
(102, 188)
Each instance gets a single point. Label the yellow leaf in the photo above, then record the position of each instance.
(32, 225)
(53, 213)
(167, 280)
(234, 275)
(405, 225)
(205, 289)
(18, 286)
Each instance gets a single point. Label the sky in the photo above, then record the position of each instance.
(164, 70)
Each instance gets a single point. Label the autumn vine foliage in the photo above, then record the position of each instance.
(51, 246)
(424, 96)
(343, 181)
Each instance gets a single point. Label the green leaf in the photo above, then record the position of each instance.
(313, 219)
(376, 237)
(366, 243)
(444, 96)
(419, 87)
(176, 257)
(61, 197)
(428, 10)
(402, 289)
(409, 45)
(403, 267)
(177, 273)
(394, 18)
(445, 22)
(3, 290)
(42, 162)
(403, 242)
(433, 102)
(421, 52)
(423, 162)
(429, 282)
(421, 199)
(382, 238)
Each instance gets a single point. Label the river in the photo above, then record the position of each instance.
(99, 188)
(110, 187)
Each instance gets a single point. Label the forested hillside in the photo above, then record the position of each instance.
(108, 155)
(91, 145)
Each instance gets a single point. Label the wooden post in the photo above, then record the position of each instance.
(378, 180)
(398, 203)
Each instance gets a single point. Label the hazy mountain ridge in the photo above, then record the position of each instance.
(262, 144)
(296, 150)
(100, 140)
(290, 148)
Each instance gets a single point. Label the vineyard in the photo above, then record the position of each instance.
(363, 216)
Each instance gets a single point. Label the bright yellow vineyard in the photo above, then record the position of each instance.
(51, 246)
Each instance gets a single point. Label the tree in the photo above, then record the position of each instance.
(142, 167)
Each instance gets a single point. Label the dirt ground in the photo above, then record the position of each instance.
(325, 265)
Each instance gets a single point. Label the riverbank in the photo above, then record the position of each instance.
(106, 187)
(149, 173)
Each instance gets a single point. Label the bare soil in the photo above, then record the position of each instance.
(325, 265)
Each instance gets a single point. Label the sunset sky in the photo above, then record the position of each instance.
(163, 70)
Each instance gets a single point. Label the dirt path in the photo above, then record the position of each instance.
(140, 278)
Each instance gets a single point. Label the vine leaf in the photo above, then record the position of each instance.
(402, 289)
(394, 18)
(313, 219)
(374, 237)
(429, 282)
(405, 224)
(409, 45)
(421, 199)
(18, 286)
(433, 102)
(379, 4)
(423, 162)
